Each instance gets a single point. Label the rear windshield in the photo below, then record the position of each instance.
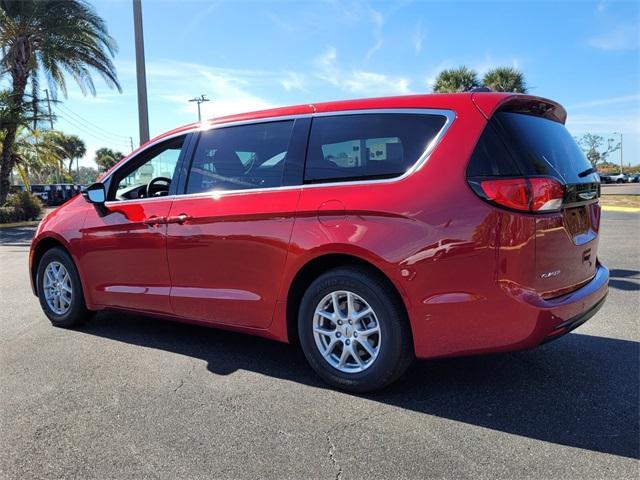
(520, 144)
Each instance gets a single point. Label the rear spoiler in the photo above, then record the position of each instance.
(490, 103)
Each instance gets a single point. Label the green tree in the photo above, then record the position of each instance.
(35, 155)
(454, 80)
(595, 149)
(51, 37)
(463, 79)
(505, 79)
(107, 158)
(73, 148)
(85, 175)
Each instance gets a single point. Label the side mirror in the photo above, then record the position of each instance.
(96, 195)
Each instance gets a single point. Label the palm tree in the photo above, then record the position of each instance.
(107, 158)
(505, 79)
(73, 147)
(51, 37)
(453, 80)
(34, 154)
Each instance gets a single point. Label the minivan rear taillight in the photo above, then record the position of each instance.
(527, 194)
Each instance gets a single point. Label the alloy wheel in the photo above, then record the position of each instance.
(58, 290)
(346, 331)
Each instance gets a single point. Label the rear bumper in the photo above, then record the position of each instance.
(563, 314)
(508, 318)
(573, 323)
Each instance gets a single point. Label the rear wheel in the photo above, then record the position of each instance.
(59, 289)
(353, 331)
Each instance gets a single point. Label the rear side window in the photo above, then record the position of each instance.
(367, 146)
(521, 144)
(240, 157)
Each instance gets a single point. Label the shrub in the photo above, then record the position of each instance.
(9, 215)
(26, 205)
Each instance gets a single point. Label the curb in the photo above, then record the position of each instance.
(608, 208)
(32, 223)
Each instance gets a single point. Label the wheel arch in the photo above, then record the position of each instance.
(41, 246)
(318, 265)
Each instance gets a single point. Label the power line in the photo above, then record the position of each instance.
(92, 125)
(88, 130)
(110, 141)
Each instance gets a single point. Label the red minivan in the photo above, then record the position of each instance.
(369, 231)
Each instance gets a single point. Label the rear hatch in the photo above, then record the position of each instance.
(530, 164)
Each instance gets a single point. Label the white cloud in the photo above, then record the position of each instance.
(598, 123)
(325, 66)
(377, 20)
(607, 101)
(294, 81)
(359, 82)
(376, 46)
(418, 38)
(371, 83)
(620, 37)
(230, 91)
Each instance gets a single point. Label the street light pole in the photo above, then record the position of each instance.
(141, 74)
(621, 162)
(199, 100)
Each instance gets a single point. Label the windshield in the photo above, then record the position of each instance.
(543, 147)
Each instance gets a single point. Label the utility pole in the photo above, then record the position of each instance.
(131, 143)
(199, 100)
(621, 164)
(46, 92)
(141, 75)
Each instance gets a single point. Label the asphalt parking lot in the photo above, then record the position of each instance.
(133, 397)
(621, 189)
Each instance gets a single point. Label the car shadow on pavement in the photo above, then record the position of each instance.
(581, 391)
(628, 280)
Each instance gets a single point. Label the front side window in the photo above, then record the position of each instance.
(149, 174)
(240, 157)
(368, 146)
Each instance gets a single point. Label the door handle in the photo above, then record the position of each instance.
(179, 219)
(154, 220)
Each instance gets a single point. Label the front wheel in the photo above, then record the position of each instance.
(353, 332)
(59, 289)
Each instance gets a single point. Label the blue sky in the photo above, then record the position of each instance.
(251, 55)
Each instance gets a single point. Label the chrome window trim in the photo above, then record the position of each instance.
(449, 115)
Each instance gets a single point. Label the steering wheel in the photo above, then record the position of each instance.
(153, 189)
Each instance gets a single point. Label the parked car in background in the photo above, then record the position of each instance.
(604, 178)
(634, 178)
(52, 194)
(330, 225)
(619, 178)
(42, 192)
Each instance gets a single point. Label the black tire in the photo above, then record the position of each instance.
(395, 348)
(77, 312)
